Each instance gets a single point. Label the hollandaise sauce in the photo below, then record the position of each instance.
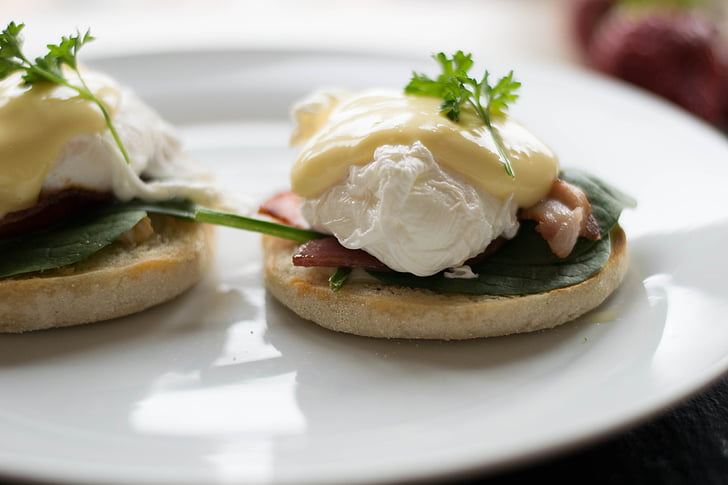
(35, 124)
(359, 124)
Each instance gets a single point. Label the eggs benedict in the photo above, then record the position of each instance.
(446, 226)
(74, 146)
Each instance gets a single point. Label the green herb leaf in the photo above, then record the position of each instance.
(502, 94)
(49, 68)
(67, 244)
(525, 264)
(459, 91)
(338, 278)
(190, 211)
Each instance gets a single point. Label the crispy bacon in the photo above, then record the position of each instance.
(50, 208)
(563, 216)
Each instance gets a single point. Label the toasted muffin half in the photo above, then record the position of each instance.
(375, 309)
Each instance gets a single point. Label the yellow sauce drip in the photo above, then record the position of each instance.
(35, 124)
(359, 125)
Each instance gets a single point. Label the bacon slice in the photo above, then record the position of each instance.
(285, 207)
(329, 253)
(50, 208)
(326, 252)
(563, 216)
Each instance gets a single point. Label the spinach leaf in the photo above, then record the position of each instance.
(525, 264)
(68, 243)
(607, 201)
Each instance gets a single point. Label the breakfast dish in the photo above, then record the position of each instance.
(75, 145)
(444, 219)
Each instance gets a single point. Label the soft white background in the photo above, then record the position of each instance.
(522, 27)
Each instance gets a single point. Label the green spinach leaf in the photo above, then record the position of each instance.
(66, 244)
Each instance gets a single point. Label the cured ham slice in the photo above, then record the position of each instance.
(563, 216)
(327, 252)
(285, 207)
(50, 208)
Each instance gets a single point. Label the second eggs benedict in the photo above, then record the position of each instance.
(464, 222)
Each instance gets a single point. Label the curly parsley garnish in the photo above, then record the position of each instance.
(459, 90)
(50, 68)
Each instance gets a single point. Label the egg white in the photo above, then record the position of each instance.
(410, 213)
(94, 161)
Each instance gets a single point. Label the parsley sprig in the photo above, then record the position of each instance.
(50, 68)
(460, 91)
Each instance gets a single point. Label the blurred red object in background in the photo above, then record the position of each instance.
(677, 53)
(587, 16)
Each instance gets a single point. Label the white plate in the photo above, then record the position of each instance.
(225, 385)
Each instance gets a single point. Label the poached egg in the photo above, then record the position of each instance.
(385, 172)
(51, 139)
